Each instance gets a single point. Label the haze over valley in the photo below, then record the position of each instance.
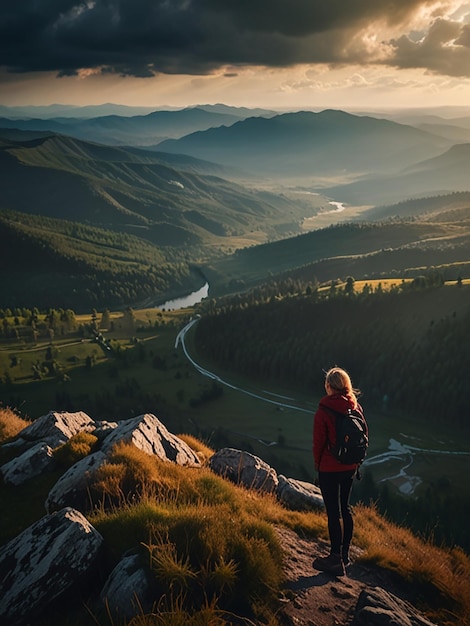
(199, 197)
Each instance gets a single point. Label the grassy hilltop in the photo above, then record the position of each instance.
(213, 547)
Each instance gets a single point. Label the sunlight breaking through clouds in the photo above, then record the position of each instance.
(197, 37)
(228, 51)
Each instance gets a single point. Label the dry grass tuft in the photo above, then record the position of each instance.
(211, 544)
(201, 449)
(10, 424)
(175, 615)
(214, 552)
(439, 576)
(172, 569)
(77, 447)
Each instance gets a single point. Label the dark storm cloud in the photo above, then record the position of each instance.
(445, 49)
(144, 37)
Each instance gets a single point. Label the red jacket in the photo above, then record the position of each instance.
(324, 432)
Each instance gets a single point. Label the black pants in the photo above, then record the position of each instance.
(336, 489)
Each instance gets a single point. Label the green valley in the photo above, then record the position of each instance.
(111, 226)
(301, 276)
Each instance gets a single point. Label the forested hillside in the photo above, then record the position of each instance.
(52, 262)
(446, 207)
(83, 224)
(363, 249)
(407, 347)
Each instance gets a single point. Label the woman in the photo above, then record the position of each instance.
(335, 478)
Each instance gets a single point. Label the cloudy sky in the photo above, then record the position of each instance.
(269, 53)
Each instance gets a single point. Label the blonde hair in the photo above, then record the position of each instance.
(340, 381)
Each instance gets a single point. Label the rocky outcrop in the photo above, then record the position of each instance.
(298, 494)
(62, 548)
(72, 488)
(30, 463)
(44, 561)
(249, 470)
(57, 428)
(127, 592)
(245, 469)
(147, 433)
(377, 607)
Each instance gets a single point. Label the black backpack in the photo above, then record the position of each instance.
(351, 436)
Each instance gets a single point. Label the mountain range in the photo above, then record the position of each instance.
(358, 159)
(197, 198)
(321, 146)
(135, 130)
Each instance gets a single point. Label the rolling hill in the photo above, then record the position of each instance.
(173, 208)
(392, 248)
(321, 146)
(48, 262)
(61, 177)
(449, 208)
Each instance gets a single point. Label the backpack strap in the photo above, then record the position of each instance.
(328, 408)
(337, 415)
(345, 414)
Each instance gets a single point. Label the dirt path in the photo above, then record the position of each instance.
(315, 598)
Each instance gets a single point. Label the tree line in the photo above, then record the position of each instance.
(407, 348)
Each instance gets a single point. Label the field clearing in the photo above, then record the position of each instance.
(386, 284)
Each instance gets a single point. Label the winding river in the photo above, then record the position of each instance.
(190, 300)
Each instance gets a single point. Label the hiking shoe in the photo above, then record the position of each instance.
(346, 560)
(333, 564)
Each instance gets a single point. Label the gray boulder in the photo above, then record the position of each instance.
(103, 429)
(72, 488)
(147, 433)
(377, 607)
(43, 561)
(27, 465)
(299, 495)
(57, 428)
(127, 592)
(245, 469)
